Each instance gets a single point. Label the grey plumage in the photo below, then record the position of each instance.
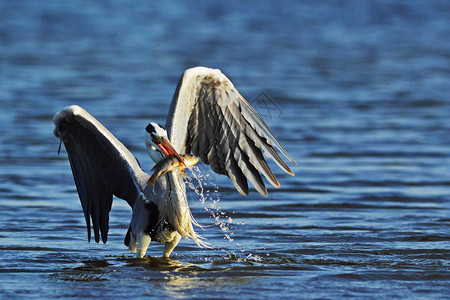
(101, 165)
(211, 119)
(208, 118)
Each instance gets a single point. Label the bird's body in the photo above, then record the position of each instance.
(208, 118)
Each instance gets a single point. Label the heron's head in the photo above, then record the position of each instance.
(157, 142)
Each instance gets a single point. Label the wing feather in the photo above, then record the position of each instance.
(101, 165)
(211, 119)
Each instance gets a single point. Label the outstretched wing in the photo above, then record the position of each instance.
(101, 165)
(211, 119)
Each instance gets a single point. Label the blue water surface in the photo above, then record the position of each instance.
(356, 91)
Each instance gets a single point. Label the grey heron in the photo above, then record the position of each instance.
(209, 118)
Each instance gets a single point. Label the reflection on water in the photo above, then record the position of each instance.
(361, 92)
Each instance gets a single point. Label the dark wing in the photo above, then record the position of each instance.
(101, 165)
(211, 119)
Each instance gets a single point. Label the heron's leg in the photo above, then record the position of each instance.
(143, 241)
(169, 246)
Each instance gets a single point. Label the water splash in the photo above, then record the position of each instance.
(208, 192)
(203, 185)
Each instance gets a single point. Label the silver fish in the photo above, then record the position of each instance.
(170, 163)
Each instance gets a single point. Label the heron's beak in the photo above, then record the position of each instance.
(166, 147)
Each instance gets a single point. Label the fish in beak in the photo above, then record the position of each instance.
(170, 163)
